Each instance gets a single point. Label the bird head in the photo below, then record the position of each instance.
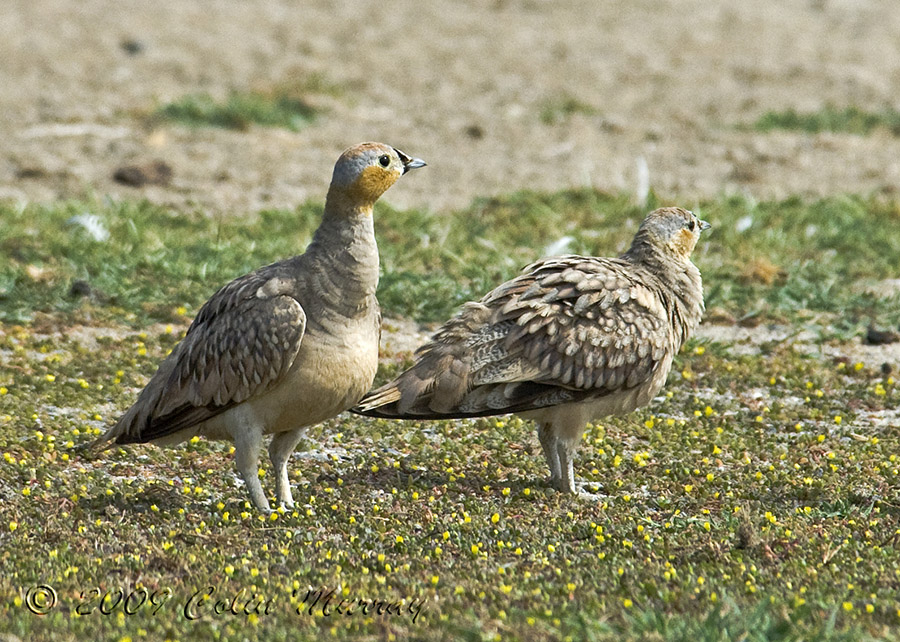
(671, 229)
(364, 172)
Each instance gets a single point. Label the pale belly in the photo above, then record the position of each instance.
(326, 380)
(571, 419)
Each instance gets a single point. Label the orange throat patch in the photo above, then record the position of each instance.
(372, 183)
(683, 243)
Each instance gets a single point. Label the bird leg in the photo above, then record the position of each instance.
(280, 450)
(547, 437)
(247, 437)
(567, 484)
(566, 452)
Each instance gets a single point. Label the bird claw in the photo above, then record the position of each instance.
(582, 492)
(581, 489)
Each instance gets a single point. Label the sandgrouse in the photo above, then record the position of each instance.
(570, 340)
(284, 347)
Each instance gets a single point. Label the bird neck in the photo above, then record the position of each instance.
(348, 201)
(343, 255)
(678, 276)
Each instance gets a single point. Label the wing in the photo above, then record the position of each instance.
(568, 329)
(242, 342)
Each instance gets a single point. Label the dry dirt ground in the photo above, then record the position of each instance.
(461, 84)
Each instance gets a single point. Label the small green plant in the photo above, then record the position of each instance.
(851, 120)
(240, 110)
(560, 109)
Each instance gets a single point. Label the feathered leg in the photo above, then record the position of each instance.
(548, 440)
(280, 450)
(569, 433)
(246, 433)
(566, 453)
(567, 444)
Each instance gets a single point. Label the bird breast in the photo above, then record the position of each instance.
(328, 377)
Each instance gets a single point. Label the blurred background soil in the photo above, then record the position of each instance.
(497, 96)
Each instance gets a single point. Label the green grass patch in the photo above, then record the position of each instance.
(560, 109)
(787, 261)
(851, 120)
(240, 110)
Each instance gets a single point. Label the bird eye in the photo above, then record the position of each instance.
(692, 225)
(384, 160)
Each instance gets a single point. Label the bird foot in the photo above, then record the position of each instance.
(589, 491)
(581, 489)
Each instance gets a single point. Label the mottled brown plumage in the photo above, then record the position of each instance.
(284, 347)
(570, 340)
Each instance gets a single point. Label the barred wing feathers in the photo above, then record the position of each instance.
(568, 329)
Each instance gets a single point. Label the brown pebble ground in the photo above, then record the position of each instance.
(496, 96)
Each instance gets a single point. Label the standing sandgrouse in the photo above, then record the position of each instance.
(284, 347)
(571, 339)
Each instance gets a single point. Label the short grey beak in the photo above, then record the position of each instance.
(409, 162)
(704, 225)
